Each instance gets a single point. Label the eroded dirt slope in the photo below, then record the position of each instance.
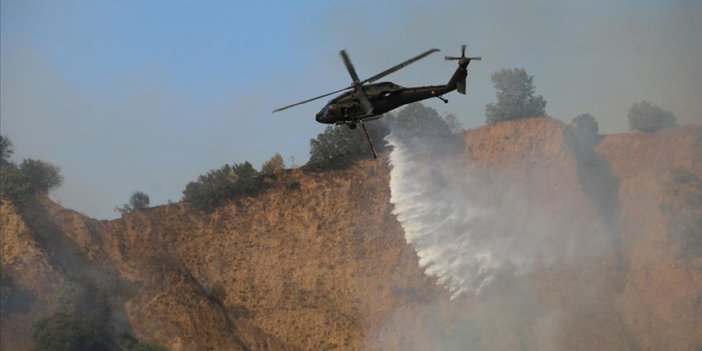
(319, 262)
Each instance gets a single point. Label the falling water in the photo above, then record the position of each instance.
(439, 221)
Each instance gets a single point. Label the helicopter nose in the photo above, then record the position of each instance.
(322, 115)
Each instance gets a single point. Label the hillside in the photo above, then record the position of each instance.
(320, 261)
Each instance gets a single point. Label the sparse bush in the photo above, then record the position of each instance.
(274, 166)
(90, 304)
(5, 288)
(138, 201)
(586, 123)
(683, 176)
(694, 201)
(127, 341)
(586, 127)
(684, 222)
(151, 347)
(454, 124)
(82, 321)
(340, 146)
(13, 298)
(515, 97)
(648, 118)
(213, 188)
(42, 175)
(61, 332)
(691, 239)
(217, 292)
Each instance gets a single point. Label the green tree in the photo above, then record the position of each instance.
(42, 175)
(6, 150)
(14, 186)
(18, 184)
(274, 166)
(648, 118)
(421, 121)
(212, 189)
(341, 146)
(138, 201)
(247, 178)
(515, 97)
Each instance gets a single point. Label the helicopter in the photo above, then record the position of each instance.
(365, 102)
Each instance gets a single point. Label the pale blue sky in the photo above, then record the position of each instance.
(146, 95)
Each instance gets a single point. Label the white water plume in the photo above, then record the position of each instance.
(438, 221)
(467, 228)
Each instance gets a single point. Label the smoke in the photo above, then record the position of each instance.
(466, 225)
(498, 243)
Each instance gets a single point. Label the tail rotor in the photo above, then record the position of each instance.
(458, 80)
(463, 59)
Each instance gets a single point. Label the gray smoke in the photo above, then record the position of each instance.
(467, 226)
(484, 239)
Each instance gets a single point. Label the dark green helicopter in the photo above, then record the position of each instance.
(365, 102)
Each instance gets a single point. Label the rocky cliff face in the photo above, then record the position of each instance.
(319, 261)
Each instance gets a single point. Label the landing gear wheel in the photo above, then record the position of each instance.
(352, 125)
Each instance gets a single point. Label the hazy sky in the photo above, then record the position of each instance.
(146, 95)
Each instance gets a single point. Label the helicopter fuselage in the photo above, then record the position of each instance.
(384, 97)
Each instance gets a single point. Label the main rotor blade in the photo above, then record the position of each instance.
(349, 66)
(400, 66)
(312, 99)
(363, 98)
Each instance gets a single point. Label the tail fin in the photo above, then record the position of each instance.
(458, 80)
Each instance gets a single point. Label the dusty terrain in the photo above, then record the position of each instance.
(318, 261)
